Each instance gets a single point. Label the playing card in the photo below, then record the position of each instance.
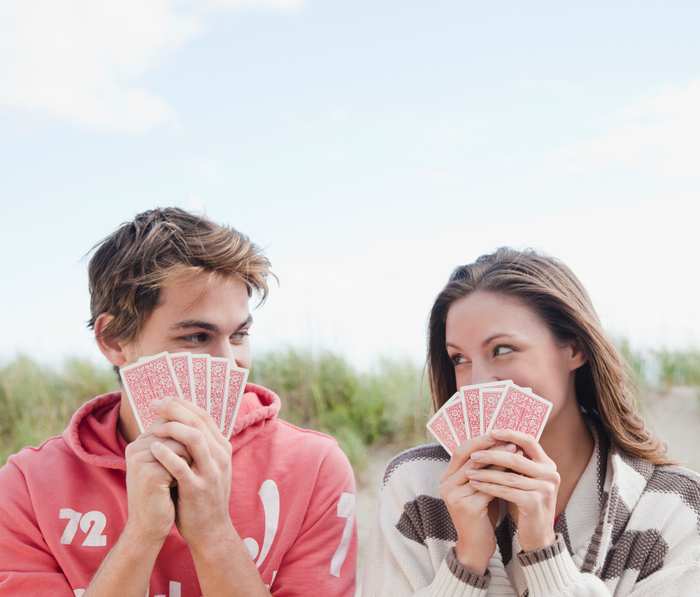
(218, 388)
(182, 366)
(236, 388)
(146, 381)
(488, 401)
(200, 375)
(439, 426)
(520, 410)
(456, 415)
(470, 396)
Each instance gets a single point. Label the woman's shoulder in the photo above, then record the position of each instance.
(659, 495)
(676, 480)
(419, 467)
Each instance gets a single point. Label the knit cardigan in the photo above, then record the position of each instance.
(630, 529)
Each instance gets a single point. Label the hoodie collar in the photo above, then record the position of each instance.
(94, 436)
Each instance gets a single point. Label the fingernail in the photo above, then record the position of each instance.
(511, 447)
(477, 456)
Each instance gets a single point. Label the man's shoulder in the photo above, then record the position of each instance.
(28, 467)
(49, 452)
(303, 438)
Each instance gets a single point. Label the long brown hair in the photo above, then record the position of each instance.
(604, 389)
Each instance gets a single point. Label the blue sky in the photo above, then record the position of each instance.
(369, 146)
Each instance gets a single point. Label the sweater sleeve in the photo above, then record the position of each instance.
(550, 572)
(402, 567)
(27, 566)
(323, 558)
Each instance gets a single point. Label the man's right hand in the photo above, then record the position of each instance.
(151, 511)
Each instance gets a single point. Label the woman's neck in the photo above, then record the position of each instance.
(569, 442)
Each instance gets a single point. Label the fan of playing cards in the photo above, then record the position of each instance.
(478, 409)
(212, 383)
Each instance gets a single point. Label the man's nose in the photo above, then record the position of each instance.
(225, 350)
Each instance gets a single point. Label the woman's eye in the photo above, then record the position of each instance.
(457, 359)
(501, 350)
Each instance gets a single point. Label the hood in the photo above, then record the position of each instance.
(93, 433)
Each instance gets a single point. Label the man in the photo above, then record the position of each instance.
(94, 512)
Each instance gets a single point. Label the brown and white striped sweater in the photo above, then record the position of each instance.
(630, 529)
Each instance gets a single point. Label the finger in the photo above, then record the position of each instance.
(477, 500)
(518, 497)
(174, 409)
(514, 462)
(472, 464)
(462, 453)
(504, 478)
(189, 437)
(459, 477)
(530, 446)
(141, 447)
(175, 465)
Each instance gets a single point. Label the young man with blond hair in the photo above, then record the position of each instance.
(93, 512)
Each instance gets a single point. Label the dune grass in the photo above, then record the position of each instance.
(388, 404)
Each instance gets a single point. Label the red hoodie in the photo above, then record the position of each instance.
(63, 506)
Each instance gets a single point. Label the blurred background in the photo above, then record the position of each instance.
(369, 147)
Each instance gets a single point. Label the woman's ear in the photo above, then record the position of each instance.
(577, 357)
(113, 350)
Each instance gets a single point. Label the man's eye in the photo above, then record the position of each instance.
(502, 350)
(239, 337)
(200, 338)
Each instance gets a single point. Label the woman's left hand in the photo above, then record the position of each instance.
(531, 483)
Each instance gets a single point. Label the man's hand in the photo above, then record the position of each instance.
(151, 511)
(204, 486)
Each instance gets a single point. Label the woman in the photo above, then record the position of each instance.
(595, 508)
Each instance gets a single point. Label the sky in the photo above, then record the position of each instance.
(369, 147)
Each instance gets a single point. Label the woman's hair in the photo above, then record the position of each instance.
(131, 266)
(603, 384)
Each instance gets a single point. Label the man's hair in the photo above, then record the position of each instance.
(130, 266)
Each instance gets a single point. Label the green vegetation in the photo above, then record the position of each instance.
(678, 368)
(388, 404)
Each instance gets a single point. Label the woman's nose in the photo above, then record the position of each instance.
(482, 373)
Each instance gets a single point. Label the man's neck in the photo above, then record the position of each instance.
(127, 424)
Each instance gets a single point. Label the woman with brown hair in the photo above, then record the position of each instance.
(595, 508)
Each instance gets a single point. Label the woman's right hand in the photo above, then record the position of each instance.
(468, 508)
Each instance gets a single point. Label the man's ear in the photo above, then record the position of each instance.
(113, 350)
(577, 357)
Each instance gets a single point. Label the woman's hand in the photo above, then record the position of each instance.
(531, 483)
(468, 508)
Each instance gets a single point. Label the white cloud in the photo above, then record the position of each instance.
(660, 132)
(81, 59)
(84, 60)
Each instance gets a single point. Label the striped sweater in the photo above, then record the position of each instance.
(630, 528)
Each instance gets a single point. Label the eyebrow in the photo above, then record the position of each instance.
(488, 340)
(206, 325)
